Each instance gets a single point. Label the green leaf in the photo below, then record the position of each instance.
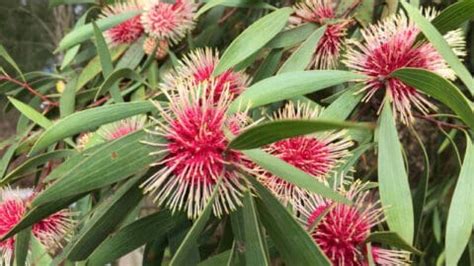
(393, 179)
(93, 68)
(289, 85)
(111, 163)
(34, 162)
(6, 158)
(247, 234)
(111, 80)
(53, 3)
(134, 55)
(438, 42)
(190, 241)
(106, 63)
(440, 89)
(22, 242)
(269, 132)
(86, 31)
(105, 219)
(460, 215)
(301, 58)
(31, 113)
(89, 119)
(293, 175)
(217, 260)
(72, 52)
(292, 36)
(134, 235)
(67, 101)
(295, 245)
(39, 253)
(268, 66)
(392, 239)
(252, 39)
(343, 106)
(453, 16)
(5, 55)
(233, 3)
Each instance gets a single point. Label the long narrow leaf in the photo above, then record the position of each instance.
(393, 179)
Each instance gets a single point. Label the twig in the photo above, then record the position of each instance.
(29, 88)
(440, 123)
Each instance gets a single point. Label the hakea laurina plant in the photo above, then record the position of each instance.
(49, 231)
(392, 44)
(323, 12)
(196, 151)
(128, 31)
(198, 67)
(317, 155)
(341, 231)
(168, 21)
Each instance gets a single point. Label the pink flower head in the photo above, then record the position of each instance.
(391, 45)
(161, 47)
(128, 31)
(198, 67)
(49, 231)
(341, 230)
(122, 128)
(163, 20)
(317, 155)
(196, 152)
(323, 12)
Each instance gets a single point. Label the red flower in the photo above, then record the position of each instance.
(391, 45)
(317, 155)
(197, 155)
(163, 20)
(198, 67)
(127, 31)
(49, 231)
(341, 231)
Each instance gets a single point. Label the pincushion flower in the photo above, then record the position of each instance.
(198, 67)
(161, 47)
(392, 44)
(323, 12)
(128, 31)
(170, 21)
(343, 230)
(196, 152)
(49, 231)
(317, 155)
(122, 128)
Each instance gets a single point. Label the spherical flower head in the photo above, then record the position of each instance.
(323, 12)
(341, 231)
(122, 128)
(198, 67)
(196, 152)
(390, 45)
(163, 20)
(317, 154)
(161, 46)
(49, 231)
(128, 31)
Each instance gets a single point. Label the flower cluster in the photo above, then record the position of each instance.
(164, 23)
(49, 231)
(197, 159)
(323, 12)
(392, 44)
(341, 231)
(198, 67)
(317, 155)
